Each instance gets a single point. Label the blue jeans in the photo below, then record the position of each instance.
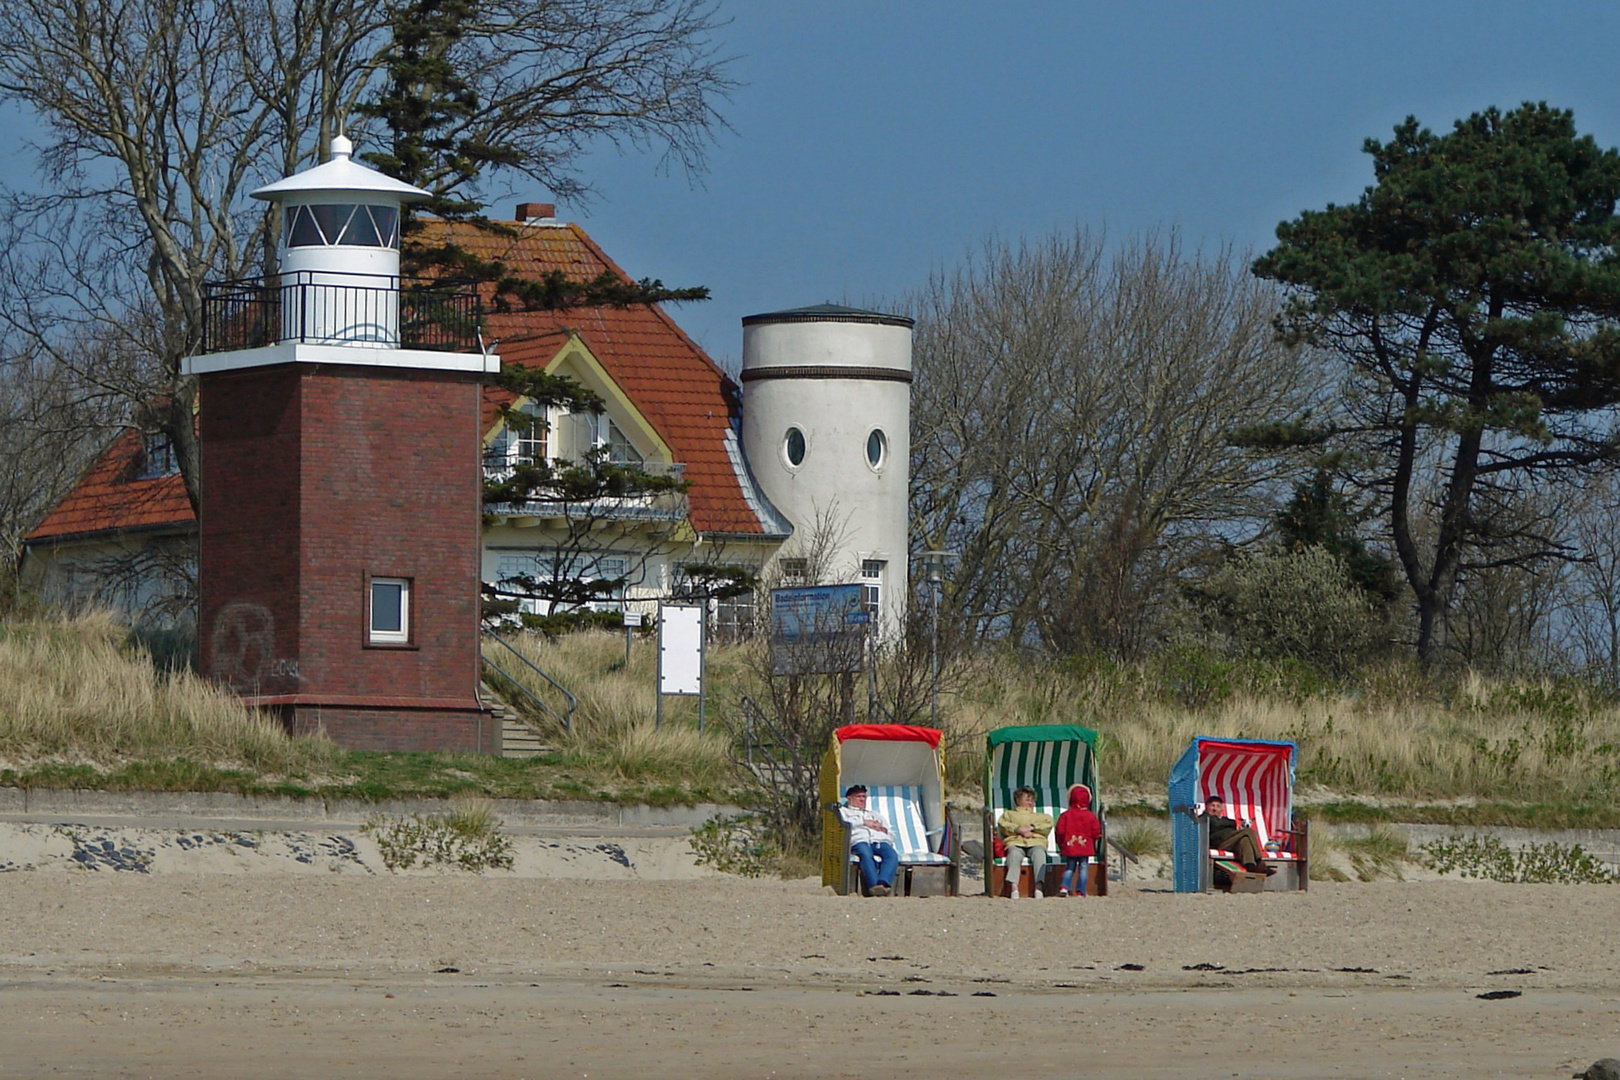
(1075, 867)
(879, 861)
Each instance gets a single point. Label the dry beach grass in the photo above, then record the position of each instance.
(1394, 735)
(73, 688)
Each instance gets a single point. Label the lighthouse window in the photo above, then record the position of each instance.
(877, 448)
(342, 223)
(360, 231)
(794, 447)
(301, 228)
(331, 220)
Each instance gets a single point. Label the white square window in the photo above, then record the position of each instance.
(872, 586)
(390, 611)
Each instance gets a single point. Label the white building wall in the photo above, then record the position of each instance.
(837, 378)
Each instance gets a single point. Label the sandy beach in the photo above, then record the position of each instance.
(661, 968)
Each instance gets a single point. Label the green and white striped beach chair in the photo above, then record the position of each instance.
(1051, 758)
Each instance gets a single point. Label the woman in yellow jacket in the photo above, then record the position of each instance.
(1023, 830)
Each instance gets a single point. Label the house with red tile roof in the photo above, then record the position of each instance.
(125, 534)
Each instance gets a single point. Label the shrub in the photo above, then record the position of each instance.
(1143, 837)
(1301, 605)
(1489, 858)
(736, 845)
(1378, 854)
(467, 838)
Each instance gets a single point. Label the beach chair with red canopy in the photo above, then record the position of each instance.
(903, 768)
(1256, 778)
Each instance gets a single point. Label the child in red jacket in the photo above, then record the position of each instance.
(1078, 831)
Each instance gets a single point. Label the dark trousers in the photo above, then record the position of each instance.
(1245, 844)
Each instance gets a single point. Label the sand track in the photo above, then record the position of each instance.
(289, 975)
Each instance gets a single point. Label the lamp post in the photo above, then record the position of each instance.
(934, 572)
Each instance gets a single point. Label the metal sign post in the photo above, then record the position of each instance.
(680, 655)
(632, 619)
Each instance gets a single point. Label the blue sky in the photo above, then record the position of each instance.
(877, 142)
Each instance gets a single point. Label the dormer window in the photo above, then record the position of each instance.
(519, 442)
(157, 456)
(621, 451)
(341, 225)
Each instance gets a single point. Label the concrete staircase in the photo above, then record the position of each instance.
(519, 739)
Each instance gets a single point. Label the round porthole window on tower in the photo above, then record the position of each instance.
(793, 447)
(877, 448)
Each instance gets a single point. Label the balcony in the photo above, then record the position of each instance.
(653, 507)
(328, 308)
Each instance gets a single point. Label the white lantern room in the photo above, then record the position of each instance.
(337, 296)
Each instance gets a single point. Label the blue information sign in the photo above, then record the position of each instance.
(817, 628)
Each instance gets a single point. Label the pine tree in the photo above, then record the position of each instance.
(1472, 296)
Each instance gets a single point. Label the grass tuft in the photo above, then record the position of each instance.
(1143, 837)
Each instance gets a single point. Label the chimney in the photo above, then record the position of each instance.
(533, 211)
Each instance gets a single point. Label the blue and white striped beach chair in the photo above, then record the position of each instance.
(903, 770)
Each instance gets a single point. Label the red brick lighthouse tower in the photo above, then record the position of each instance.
(340, 524)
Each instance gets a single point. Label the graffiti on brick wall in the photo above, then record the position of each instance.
(244, 648)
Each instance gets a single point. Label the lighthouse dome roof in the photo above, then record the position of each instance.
(342, 176)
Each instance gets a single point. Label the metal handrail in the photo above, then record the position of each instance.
(753, 719)
(331, 307)
(567, 718)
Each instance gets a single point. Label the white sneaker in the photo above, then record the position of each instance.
(1039, 895)
(1012, 894)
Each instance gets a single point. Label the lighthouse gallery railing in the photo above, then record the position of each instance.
(328, 308)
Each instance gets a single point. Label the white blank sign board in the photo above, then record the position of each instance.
(680, 650)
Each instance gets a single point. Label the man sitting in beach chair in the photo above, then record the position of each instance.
(900, 772)
(1232, 823)
(871, 841)
(1227, 834)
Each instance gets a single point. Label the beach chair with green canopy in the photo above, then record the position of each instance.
(1051, 758)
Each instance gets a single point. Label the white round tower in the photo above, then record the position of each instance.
(827, 432)
(339, 251)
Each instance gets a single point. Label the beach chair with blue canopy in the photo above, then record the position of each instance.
(1051, 759)
(1256, 778)
(903, 768)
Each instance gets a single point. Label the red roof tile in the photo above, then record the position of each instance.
(110, 496)
(682, 393)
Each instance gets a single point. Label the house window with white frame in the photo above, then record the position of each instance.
(872, 587)
(794, 572)
(533, 572)
(518, 443)
(388, 611)
(620, 450)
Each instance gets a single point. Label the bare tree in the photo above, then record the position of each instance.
(1071, 418)
(1592, 614)
(160, 117)
(47, 435)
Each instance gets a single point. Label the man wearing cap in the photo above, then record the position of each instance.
(1242, 841)
(871, 841)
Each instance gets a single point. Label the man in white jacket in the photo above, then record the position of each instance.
(872, 842)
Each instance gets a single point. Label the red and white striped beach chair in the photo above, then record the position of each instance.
(1256, 779)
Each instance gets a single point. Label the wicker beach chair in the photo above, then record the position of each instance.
(903, 768)
(1256, 778)
(1051, 758)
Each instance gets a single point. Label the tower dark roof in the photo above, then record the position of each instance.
(828, 313)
